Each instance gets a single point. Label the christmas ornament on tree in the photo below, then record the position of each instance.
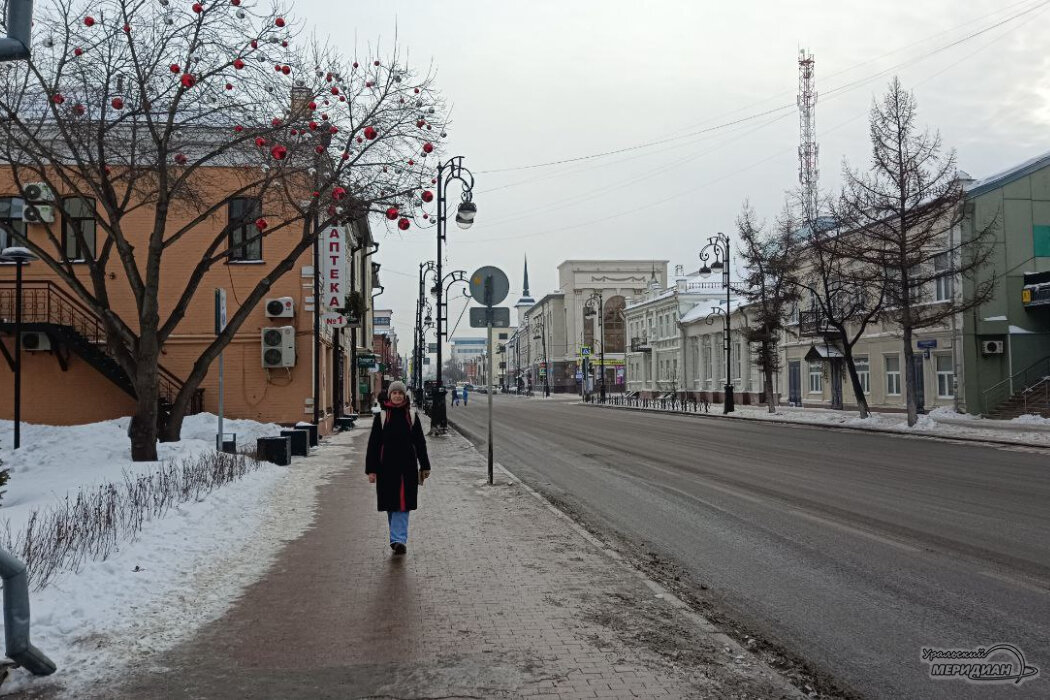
(403, 224)
(391, 213)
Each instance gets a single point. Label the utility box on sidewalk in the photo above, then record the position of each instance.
(275, 449)
(300, 440)
(312, 427)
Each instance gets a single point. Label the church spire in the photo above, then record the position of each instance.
(526, 301)
(525, 284)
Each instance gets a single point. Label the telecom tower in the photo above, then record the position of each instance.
(808, 150)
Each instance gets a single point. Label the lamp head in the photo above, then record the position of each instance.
(716, 266)
(466, 213)
(17, 254)
(705, 271)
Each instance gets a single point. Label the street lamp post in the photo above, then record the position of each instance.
(717, 248)
(596, 296)
(417, 378)
(449, 171)
(19, 256)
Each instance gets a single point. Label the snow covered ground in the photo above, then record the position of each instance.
(940, 422)
(182, 571)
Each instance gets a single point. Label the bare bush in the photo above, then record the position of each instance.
(91, 525)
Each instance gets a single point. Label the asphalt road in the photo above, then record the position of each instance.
(849, 550)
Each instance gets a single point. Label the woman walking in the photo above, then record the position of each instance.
(396, 448)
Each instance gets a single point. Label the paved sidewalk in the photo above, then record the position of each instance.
(497, 597)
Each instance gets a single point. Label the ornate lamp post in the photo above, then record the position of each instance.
(448, 172)
(18, 256)
(717, 248)
(588, 311)
(421, 304)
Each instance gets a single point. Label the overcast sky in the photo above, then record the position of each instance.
(540, 81)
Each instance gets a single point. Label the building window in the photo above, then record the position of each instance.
(893, 375)
(945, 376)
(943, 281)
(708, 369)
(11, 218)
(738, 357)
(78, 217)
(863, 366)
(245, 239)
(613, 325)
(816, 378)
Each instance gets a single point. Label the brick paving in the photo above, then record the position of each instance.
(497, 597)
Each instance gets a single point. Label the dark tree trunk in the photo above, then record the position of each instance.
(767, 376)
(143, 429)
(909, 376)
(854, 378)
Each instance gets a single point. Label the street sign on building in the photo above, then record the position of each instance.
(335, 278)
(585, 351)
(366, 361)
(926, 344)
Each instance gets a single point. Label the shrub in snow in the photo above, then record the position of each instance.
(91, 525)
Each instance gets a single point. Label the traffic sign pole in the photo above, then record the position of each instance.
(488, 390)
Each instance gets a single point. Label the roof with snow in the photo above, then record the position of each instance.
(702, 311)
(1009, 175)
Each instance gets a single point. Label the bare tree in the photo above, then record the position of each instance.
(906, 212)
(845, 293)
(150, 118)
(768, 288)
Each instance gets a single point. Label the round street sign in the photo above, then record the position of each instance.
(492, 279)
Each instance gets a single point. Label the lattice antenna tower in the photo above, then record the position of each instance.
(808, 150)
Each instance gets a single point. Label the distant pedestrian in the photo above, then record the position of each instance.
(466, 395)
(455, 396)
(397, 463)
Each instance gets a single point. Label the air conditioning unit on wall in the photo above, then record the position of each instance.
(38, 192)
(35, 341)
(993, 347)
(278, 347)
(281, 307)
(38, 213)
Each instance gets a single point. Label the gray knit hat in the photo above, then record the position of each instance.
(396, 386)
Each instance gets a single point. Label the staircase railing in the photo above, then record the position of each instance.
(1021, 381)
(1037, 396)
(45, 302)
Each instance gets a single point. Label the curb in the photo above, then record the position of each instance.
(658, 590)
(826, 426)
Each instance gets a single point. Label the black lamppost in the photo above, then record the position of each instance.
(588, 311)
(19, 256)
(718, 248)
(542, 335)
(449, 171)
(421, 305)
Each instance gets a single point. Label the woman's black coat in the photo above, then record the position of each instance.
(395, 448)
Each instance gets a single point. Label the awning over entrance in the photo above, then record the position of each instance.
(822, 353)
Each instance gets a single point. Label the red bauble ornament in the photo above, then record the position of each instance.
(346, 156)
(428, 147)
(333, 130)
(235, 3)
(312, 106)
(117, 103)
(338, 193)
(342, 99)
(324, 116)
(427, 196)
(238, 63)
(174, 68)
(275, 121)
(360, 140)
(58, 98)
(277, 67)
(284, 44)
(188, 81)
(368, 83)
(319, 149)
(238, 128)
(371, 133)
(376, 63)
(180, 159)
(261, 224)
(417, 91)
(127, 28)
(420, 123)
(426, 216)
(78, 51)
(335, 91)
(255, 43)
(279, 21)
(229, 86)
(198, 8)
(89, 21)
(279, 152)
(433, 181)
(79, 110)
(391, 213)
(260, 141)
(313, 126)
(355, 64)
(411, 162)
(403, 224)
(286, 69)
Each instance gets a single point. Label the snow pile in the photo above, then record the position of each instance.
(183, 570)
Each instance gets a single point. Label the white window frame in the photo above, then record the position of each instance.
(945, 378)
(893, 377)
(864, 375)
(816, 378)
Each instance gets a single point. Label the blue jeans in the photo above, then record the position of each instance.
(398, 521)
